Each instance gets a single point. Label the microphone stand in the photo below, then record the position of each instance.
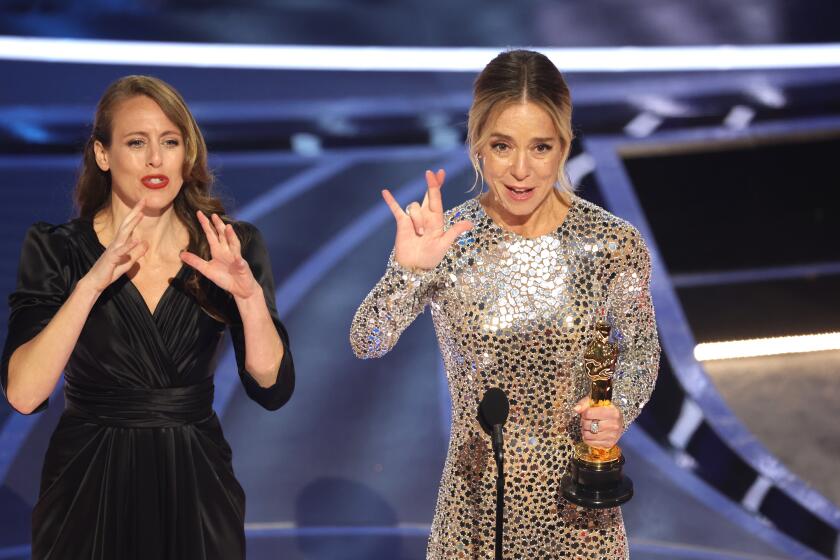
(492, 414)
(499, 455)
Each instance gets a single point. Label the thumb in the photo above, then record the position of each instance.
(452, 233)
(582, 405)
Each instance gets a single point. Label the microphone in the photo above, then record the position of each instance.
(493, 412)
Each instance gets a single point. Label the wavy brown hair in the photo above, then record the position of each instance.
(92, 193)
(520, 76)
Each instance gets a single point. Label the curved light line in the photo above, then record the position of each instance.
(642, 444)
(290, 292)
(678, 341)
(412, 59)
(292, 188)
(747, 276)
(225, 379)
(15, 551)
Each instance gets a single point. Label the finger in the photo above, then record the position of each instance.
(220, 230)
(195, 261)
(603, 413)
(450, 235)
(600, 443)
(233, 240)
(125, 248)
(392, 203)
(128, 259)
(209, 232)
(415, 212)
(605, 430)
(135, 210)
(440, 175)
(127, 226)
(581, 405)
(433, 191)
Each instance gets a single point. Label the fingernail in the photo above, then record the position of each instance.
(421, 231)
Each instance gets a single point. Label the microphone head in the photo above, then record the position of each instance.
(494, 407)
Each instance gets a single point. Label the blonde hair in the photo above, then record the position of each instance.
(520, 76)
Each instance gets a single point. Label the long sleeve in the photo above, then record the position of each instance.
(390, 307)
(630, 307)
(277, 395)
(42, 288)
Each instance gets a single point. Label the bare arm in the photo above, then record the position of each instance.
(227, 269)
(263, 348)
(35, 366)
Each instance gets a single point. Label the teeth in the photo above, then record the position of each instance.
(156, 180)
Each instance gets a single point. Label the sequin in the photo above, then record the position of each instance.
(517, 313)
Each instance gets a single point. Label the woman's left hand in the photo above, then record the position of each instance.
(610, 423)
(226, 267)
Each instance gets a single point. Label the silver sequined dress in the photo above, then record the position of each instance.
(517, 313)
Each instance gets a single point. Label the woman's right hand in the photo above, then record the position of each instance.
(121, 253)
(421, 241)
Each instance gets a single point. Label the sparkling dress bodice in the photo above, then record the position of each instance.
(517, 313)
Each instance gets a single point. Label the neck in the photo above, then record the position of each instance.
(160, 229)
(544, 219)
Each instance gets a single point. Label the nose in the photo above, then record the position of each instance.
(520, 167)
(154, 157)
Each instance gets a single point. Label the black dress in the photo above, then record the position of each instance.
(138, 467)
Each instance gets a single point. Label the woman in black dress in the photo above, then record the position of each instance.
(131, 301)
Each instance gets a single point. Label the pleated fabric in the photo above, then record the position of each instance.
(138, 466)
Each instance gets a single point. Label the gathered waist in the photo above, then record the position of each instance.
(134, 407)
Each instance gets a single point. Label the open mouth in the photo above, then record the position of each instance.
(520, 193)
(155, 181)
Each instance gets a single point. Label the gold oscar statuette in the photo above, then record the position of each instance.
(595, 477)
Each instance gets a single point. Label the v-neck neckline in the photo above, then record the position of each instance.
(152, 313)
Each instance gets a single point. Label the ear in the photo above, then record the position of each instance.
(101, 156)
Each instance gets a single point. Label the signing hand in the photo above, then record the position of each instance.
(226, 267)
(121, 253)
(610, 423)
(421, 241)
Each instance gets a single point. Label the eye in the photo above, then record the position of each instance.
(136, 143)
(171, 142)
(500, 147)
(543, 148)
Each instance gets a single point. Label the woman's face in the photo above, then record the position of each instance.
(146, 155)
(521, 159)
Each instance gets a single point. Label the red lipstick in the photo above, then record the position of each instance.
(155, 181)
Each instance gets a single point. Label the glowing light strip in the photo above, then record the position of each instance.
(405, 59)
(767, 346)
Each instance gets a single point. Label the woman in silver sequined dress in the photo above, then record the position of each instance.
(516, 279)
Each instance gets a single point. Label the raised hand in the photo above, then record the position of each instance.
(421, 241)
(226, 267)
(121, 253)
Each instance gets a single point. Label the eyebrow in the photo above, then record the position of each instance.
(146, 134)
(506, 137)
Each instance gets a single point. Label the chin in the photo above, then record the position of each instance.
(521, 208)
